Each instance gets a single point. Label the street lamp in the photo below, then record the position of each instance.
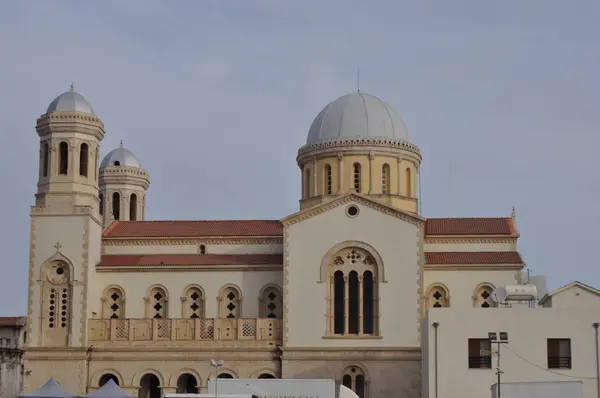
(216, 365)
(500, 338)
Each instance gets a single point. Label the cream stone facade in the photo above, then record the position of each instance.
(337, 290)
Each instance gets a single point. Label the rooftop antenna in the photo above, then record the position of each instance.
(358, 80)
(121, 144)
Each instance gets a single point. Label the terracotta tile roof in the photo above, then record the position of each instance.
(473, 258)
(185, 229)
(190, 259)
(470, 226)
(12, 320)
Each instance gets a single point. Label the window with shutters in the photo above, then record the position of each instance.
(559, 353)
(480, 354)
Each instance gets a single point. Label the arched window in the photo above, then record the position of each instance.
(306, 183)
(483, 297)
(230, 303)
(133, 203)
(437, 297)
(225, 375)
(56, 303)
(354, 378)
(101, 204)
(83, 160)
(271, 303)
(149, 387)
(356, 177)
(353, 308)
(106, 377)
(157, 303)
(385, 179)
(266, 376)
(193, 303)
(63, 158)
(114, 303)
(45, 158)
(408, 182)
(328, 180)
(187, 384)
(116, 205)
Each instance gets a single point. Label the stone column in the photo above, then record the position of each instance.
(315, 181)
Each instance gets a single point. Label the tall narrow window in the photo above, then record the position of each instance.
(353, 303)
(408, 182)
(157, 303)
(353, 308)
(193, 303)
(116, 205)
(338, 302)
(101, 204)
(306, 183)
(133, 203)
(356, 177)
(57, 303)
(328, 180)
(45, 158)
(385, 179)
(83, 160)
(437, 297)
(368, 303)
(63, 159)
(96, 166)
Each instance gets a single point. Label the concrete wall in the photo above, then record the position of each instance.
(523, 359)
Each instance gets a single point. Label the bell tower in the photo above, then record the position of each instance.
(65, 239)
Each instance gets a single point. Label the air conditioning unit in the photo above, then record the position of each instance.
(507, 293)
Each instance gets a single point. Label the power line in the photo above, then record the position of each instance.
(548, 370)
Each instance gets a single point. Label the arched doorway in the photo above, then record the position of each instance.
(106, 377)
(149, 387)
(225, 376)
(187, 383)
(266, 376)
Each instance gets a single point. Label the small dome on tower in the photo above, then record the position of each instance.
(70, 101)
(356, 116)
(120, 157)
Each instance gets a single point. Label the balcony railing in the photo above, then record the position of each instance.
(484, 362)
(559, 362)
(209, 330)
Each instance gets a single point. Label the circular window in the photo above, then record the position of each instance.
(352, 211)
(60, 271)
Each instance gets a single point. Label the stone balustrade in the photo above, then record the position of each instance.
(207, 331)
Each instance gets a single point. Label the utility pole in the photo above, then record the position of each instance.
(500, 338)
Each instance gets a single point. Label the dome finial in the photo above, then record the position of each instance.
(358, 80)
(72, 88)
(121, 144)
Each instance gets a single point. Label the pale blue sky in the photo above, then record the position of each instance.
(501, 97)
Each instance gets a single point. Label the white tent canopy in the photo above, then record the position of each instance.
(109, 390)
(50, 390)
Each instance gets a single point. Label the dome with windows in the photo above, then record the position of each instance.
(70, 101)
(357, 116)
(120, 157)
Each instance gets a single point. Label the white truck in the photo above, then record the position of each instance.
(542, 389)
(281, 388)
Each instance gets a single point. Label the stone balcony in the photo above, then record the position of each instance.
(228, 332)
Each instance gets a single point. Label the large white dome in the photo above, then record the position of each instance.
(356, 116)
(70, 101)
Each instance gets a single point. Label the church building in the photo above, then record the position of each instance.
(340, 289)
